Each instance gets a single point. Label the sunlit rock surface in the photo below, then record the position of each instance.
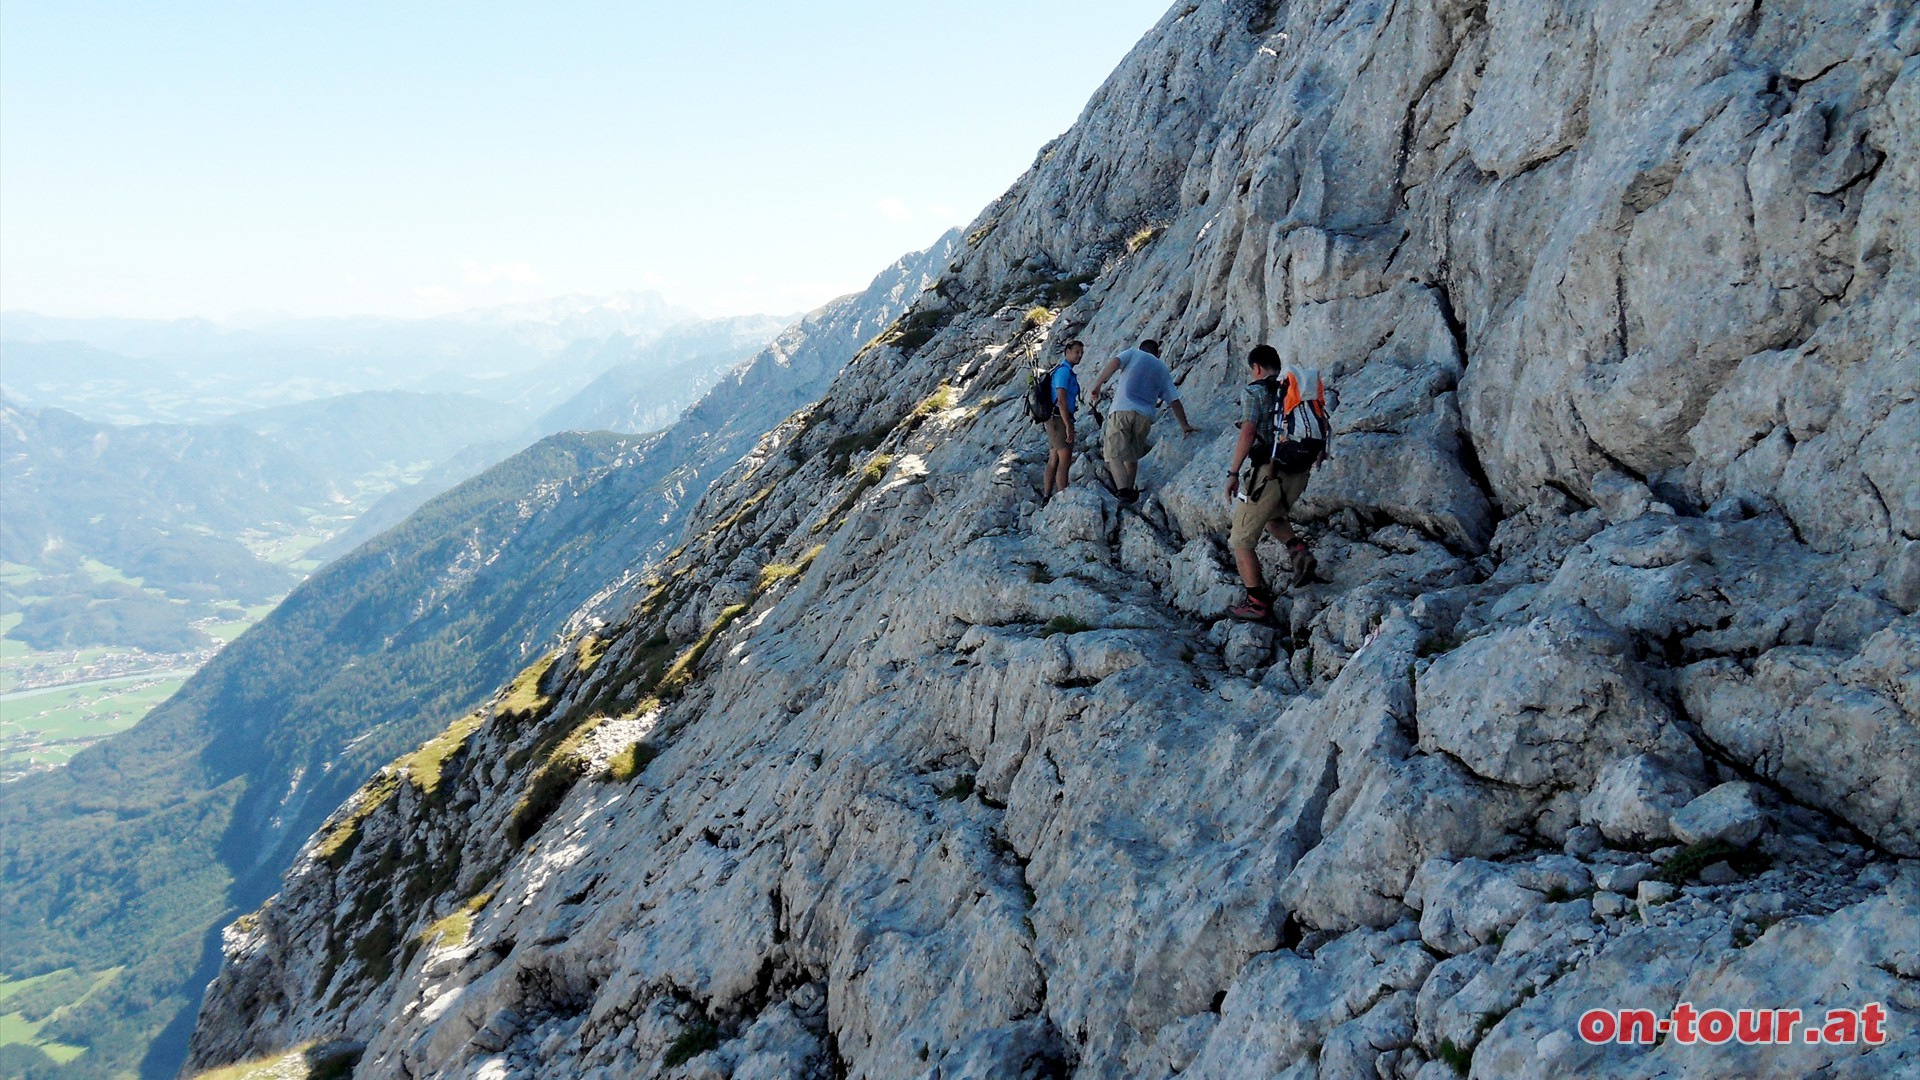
(1621, 299)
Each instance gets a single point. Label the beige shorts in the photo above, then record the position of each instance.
(1125, 441)
(1269, 497)
(1057, 435)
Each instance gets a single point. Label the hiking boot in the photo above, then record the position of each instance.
(1252, 609)
(1128, 496)
(1302, 562)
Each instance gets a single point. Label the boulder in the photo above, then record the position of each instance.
(1633, 798)
(1546, 705)
(1468, 904)
(1729, 814)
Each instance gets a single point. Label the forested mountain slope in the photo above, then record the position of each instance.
(124, 860)
(1609, 697)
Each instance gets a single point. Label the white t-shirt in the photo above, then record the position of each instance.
(1144, 382)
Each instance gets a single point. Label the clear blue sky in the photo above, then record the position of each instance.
(186, 158)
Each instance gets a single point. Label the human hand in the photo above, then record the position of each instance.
(1233, 487)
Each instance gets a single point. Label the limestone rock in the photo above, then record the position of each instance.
(1839, 732)
(1548, 704)
(1248, 646)
(1728, 814)
(1469, 903)
(1633, 798)
(980, 774)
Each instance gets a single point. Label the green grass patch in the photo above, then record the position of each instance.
(525, 698)
(100, 571)
(915, 329)
(1061, 293)
(695, 1039)
(453, 929)
(17, 574)
(1064, 624)
(341, 835)
(15, 1028)
(1036, 317)
(944, 397)
(773, 573)
(743, 513)
(290, 1065)
(549, 787)
(423, 766)
(869, 475)
(48, 728)
(1144, 237)
(631, 762)
(1686, 864)
(592, 648)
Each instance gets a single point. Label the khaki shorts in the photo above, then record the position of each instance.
(1125, 441)
(1057, 435)
(1269, 497)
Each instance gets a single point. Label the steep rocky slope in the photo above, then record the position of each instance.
(1610, 699)
(217, 788)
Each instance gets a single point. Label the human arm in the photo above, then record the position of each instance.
(1064, 410)
(1241, 448)
(1180, 414)
(1113, 365)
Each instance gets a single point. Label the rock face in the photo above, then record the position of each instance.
(893, 771)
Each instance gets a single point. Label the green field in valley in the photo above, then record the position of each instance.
(47, 727)
(34, 1003)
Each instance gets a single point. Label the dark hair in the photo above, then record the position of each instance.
(1266, 356)
(1071, 345)
(1150, 346)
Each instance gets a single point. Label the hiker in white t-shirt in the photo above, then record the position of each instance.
(1144, 385)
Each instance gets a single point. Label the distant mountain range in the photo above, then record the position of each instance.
(218, 787)
(529, 355)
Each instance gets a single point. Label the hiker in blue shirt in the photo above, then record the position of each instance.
(1144, 384)
(1065, 388)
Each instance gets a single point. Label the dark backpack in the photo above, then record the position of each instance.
(1040, 404)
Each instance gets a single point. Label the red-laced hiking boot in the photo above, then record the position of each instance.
(1302, 562)
(1252, 609)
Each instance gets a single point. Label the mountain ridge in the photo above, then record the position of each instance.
(889, 770)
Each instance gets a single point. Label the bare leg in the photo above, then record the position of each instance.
(1059, 469)
(1280, 530)
(1248, 563)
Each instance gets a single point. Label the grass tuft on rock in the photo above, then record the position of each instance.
(631, 762)
(341, 835)
(695, 1039)
(1460, 1060)
(1686, 864)
(961, 789)
(455, 927)
(944, 397)
(525, 698)
(1064, 624)
(423, 767)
